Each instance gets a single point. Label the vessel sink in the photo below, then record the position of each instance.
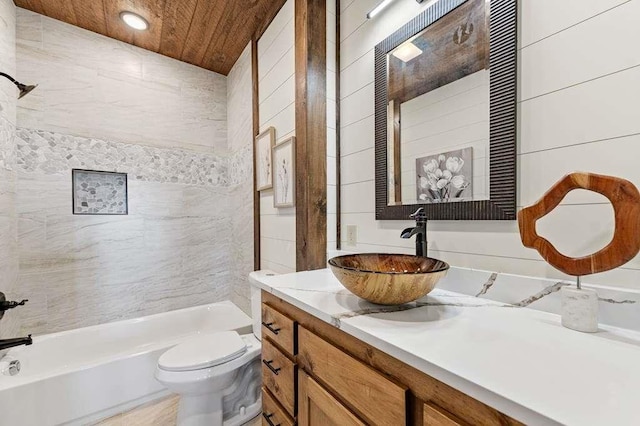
(388, 279)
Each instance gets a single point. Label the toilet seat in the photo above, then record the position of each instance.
(204, 351)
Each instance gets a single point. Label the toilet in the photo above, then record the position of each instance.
(217, 375)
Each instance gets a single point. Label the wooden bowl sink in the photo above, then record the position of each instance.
(388, 279)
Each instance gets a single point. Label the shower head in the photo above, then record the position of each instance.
(24, 89)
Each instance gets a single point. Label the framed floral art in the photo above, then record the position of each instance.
(284, 174)
(445, 177)
(264, 144)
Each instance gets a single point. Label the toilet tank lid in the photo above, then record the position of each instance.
(207, 350)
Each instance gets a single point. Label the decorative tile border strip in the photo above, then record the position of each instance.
(54, 153)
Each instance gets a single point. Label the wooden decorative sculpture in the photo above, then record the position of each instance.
(580, 306)
(624, 246)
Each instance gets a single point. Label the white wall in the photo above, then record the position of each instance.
(102, 104)
(8, 221)
(276, 70)
(579, 81)
(276, 88)
(332, 222)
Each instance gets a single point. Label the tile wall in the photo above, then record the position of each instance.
(8, 220)
(93, 86)
(120, 108)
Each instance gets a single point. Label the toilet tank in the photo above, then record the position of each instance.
(256, 300)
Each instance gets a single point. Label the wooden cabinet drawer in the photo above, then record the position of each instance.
(279, 328)
(371, 395)
(272, 413)
(435, 416)
(279, 376)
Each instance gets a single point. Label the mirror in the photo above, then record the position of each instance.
(445, 118)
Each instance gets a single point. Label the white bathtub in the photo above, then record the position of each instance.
(80, 376)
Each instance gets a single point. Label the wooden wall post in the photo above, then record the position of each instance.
(311, 133)
(256, 131)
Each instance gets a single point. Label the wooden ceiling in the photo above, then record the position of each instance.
(208, 33)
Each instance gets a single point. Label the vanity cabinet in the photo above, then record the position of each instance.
(316, 374)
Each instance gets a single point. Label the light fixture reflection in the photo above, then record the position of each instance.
(378, 8)
(134, 20)
(407, 52)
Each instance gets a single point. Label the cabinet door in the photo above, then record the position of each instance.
(434, 416)
(375, 398)
(319, 408)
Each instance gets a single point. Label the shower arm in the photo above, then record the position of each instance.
(8, 77)
(23, 88)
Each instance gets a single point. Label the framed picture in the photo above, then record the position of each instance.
(445, 177)
(284, 169)
(264, 144)
(99, 193)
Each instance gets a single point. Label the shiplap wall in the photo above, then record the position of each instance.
(332, 222)
(276, 94)
(578, 84)
(276, 73)
(240, 133)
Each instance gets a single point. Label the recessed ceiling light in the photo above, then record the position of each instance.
(134, 20)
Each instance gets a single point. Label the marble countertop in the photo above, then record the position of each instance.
(518, 360)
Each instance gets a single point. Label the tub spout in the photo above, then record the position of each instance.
(19, 341)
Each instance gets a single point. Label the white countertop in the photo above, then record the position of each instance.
(520, 361)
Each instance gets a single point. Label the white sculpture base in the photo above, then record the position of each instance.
(580, 309)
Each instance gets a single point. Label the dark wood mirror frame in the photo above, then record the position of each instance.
(501, 204)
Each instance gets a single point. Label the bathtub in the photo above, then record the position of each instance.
(80, 376)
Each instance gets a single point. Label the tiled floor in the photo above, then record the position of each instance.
(158, 413)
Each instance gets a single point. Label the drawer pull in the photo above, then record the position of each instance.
(271, 329)
(267, 417)
(268, 364)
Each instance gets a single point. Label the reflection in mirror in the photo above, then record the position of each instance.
(438, 111)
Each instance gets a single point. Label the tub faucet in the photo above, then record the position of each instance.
(420, 231)
(19, 341)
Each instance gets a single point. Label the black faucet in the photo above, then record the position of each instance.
(19, 341)
(420, 231)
